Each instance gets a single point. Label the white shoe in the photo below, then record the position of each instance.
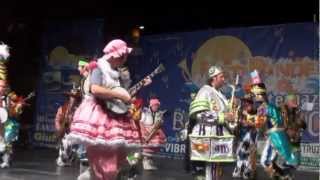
(236, 173)
(86, 175)
(4, 165)
(148, 164)
(5, 160)
(61, 163)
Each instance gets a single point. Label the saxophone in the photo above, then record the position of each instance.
(233, 107)
(156, 126)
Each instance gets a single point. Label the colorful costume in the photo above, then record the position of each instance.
(246, 151)
(293, 120)
(11, 108)
(5, 144)
(63, 120)
(9, 133)
(108, 136)
(211, 141)
(278, 157)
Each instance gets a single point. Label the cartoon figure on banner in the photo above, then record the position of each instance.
(11, 108)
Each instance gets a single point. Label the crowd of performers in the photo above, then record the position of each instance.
(105, 140)
(246, 119)
(105, 126)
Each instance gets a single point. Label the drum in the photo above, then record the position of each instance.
(3, 115)
(280, 142)
(212, 148)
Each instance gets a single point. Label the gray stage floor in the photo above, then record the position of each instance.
(40, 164)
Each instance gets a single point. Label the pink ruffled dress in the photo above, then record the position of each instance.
(108, 137)
(93, 124)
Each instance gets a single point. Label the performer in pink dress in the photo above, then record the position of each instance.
(108, 136)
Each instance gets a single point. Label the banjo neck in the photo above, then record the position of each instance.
(135, 88)
(119, 107)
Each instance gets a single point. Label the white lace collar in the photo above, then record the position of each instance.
(106, 69)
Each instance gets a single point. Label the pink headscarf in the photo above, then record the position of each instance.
(116, 48)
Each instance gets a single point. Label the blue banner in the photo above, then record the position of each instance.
(63, 44)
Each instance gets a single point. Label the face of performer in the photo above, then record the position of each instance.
(3, 87)
(155, 107)
(118, 62)
(248, 106)
(124, 73)
(260, 97)
(83, 71)
(218, 81)
(292, 103)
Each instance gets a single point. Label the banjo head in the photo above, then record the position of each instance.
(116, 105)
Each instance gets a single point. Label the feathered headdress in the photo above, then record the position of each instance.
(4, 55)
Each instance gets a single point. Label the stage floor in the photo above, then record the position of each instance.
(39, 164)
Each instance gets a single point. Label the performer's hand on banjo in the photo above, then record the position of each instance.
(124, 95)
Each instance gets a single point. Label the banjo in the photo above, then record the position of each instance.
(119, 107)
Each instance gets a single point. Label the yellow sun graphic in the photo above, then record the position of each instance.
(220, 50)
